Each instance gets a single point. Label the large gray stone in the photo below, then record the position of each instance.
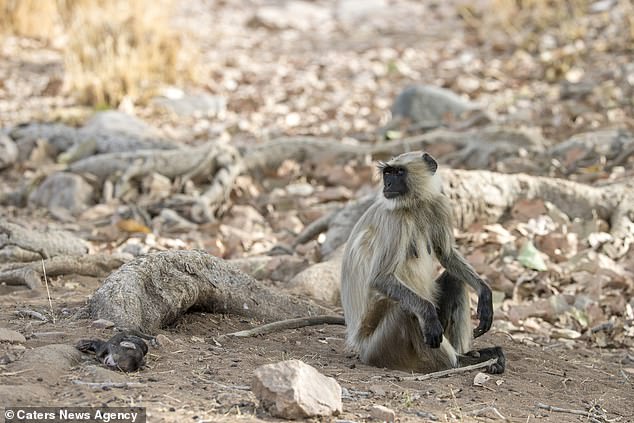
(115, 122)
(321, 281)
(65, 191)
(11, 336)
(8, 152)
(193, 104)
(427, 106)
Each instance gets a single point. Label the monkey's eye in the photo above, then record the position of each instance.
(399, 171)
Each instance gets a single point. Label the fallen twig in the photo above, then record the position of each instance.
(48, 293)
(484, 410)
(32, 314)
(590, 415)
(287, 324)
(443, 373)
(49, 334)
(110, 384)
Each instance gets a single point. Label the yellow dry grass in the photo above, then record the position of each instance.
(524, 21)
(113, 48)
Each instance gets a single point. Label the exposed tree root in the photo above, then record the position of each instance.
(30, 274)
(18, 243)
(152, 291)
(220, 161)
(482, 196)
(471, 149)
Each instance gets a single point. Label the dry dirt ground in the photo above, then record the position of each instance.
(193, 378)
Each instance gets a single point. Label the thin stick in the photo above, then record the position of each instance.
(448, 372)
(110, 384)
(564, 410)
(15, 373)
(490, 408)
(287, 324)
(32, 314)
(48, 293)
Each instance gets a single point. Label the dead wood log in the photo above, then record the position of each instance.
(152, 291)
(19, 243)
(30, 274)
(482, 196)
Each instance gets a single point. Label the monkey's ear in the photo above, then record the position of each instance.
(430, 162)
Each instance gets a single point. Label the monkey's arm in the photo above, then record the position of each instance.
(458, 267)
(390, 286)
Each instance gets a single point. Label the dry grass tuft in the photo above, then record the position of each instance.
(113, 49)
(29, 18)
(523, 22)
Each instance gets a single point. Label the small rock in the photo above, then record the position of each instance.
(193, 104)
(63, 191)
(300, 189)
(379, 412)
(298, 15)
(8, 152)
(116, 122)
(163, 340)
(320, 281)
(294, 390)
(8, 335)
(427, 106)
(157, 186)
(562, 333)
(352, 12)
(102, 324)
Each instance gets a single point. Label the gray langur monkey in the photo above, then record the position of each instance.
(397, 314)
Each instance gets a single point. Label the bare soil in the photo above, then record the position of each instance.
(336, 79)
(194, 378)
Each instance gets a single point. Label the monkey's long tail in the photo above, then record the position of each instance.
(288, 324)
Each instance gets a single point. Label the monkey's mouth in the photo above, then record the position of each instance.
(391, 194)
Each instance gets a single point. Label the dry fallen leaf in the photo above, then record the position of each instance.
(133, 226)
(480, 379)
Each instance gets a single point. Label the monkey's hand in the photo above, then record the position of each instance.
(485, 312)
(430, 325)
(432, 332)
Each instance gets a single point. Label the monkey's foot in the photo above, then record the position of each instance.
(484, 354)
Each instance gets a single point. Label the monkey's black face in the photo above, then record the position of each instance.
(394, 182)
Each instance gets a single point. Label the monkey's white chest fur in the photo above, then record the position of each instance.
(417, 271)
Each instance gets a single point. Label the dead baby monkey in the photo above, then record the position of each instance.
(124, 351)
(397, 314)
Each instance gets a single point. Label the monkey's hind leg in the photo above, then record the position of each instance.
(90, 345)
(397, 343)
(454, 312)
(455, 317)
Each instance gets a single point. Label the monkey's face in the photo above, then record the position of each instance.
(408, 175)
(394, 181)
(126, 355)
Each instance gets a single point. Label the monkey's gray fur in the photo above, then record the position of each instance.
(397, 315)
